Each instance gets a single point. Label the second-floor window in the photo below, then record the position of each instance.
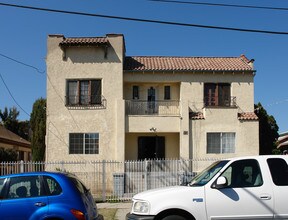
(83, 92)
(167, 93)
(217, 94)
(135, 92)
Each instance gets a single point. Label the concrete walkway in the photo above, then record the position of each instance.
(122, 209)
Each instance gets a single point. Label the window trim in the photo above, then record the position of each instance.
(77, 98)
(167, 92)
(221, 148)
(135, 92)
(221, 96)
(85, 145)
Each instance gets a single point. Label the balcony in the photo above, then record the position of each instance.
(85, 102)
(220, 101)
(158, 107)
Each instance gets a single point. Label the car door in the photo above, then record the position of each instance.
(279, 171)
(246, 196)
(24, 199)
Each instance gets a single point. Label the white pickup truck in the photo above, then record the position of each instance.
(238, 188)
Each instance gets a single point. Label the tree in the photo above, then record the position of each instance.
(10, 122)
(9, 119)
(8, 154)
(38, 126)
(268, 131)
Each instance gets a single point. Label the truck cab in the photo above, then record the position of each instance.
(238, 188)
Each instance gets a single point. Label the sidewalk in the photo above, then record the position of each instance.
(122, 209)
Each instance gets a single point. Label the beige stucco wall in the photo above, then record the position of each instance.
(119, 132)
(189, 87)
(85, 63)
(217, 120)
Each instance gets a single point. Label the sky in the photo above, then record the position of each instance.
(23, 41)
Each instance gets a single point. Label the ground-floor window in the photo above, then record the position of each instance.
(83, 143)
(220, 142)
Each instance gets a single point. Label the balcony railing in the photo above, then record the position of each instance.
(158, 107)
(217, 101)
(85, 101)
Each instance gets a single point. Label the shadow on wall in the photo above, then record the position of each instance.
(92, 55)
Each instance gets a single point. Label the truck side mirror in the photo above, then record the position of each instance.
(220, 183)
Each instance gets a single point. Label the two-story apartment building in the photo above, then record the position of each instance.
(102, 104)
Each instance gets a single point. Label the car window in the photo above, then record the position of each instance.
(279, 171)
(243, 173)
(2, 181)
(53, 186)
(24, 186)
(81, 188)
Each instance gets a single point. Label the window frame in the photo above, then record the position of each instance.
(217, 95)
(81, 93)
(210, 149)
(135, 92)
(85, 141)
(167, 92)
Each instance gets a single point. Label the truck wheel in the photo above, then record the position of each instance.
(174, 217)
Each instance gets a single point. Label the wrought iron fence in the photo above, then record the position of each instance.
(157, 107)
(118, 181)
(220, 101)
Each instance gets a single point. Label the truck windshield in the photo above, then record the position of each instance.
(207, 174)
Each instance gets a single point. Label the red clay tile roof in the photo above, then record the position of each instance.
(150, 63)
(249, 116)
(196, 115)
(9, 136)
(84, 41)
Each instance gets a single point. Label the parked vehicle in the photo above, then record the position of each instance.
(45, 195)
(238, 188)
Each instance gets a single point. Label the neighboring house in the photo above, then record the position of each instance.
(283, 142)
(104, 105)
(11, 141)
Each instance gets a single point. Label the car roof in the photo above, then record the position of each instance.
(35, 174)
(257, 157)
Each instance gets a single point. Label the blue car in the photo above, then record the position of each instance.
(45, 196)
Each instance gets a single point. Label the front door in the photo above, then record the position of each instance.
(151, 147)
(246, 197)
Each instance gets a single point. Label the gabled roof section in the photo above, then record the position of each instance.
(196, 115)
(7, 136)
(84, 41)
(247, 116)
(160, 63)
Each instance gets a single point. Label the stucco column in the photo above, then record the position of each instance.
(120, 131)
(184, 130)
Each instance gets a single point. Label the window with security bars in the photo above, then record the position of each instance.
(83, 92)
(84, 143)
(220, 143)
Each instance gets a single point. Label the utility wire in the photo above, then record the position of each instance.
(42, 72)
(12, 95)
(17, 61)
(147, 20)
(220, 5)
